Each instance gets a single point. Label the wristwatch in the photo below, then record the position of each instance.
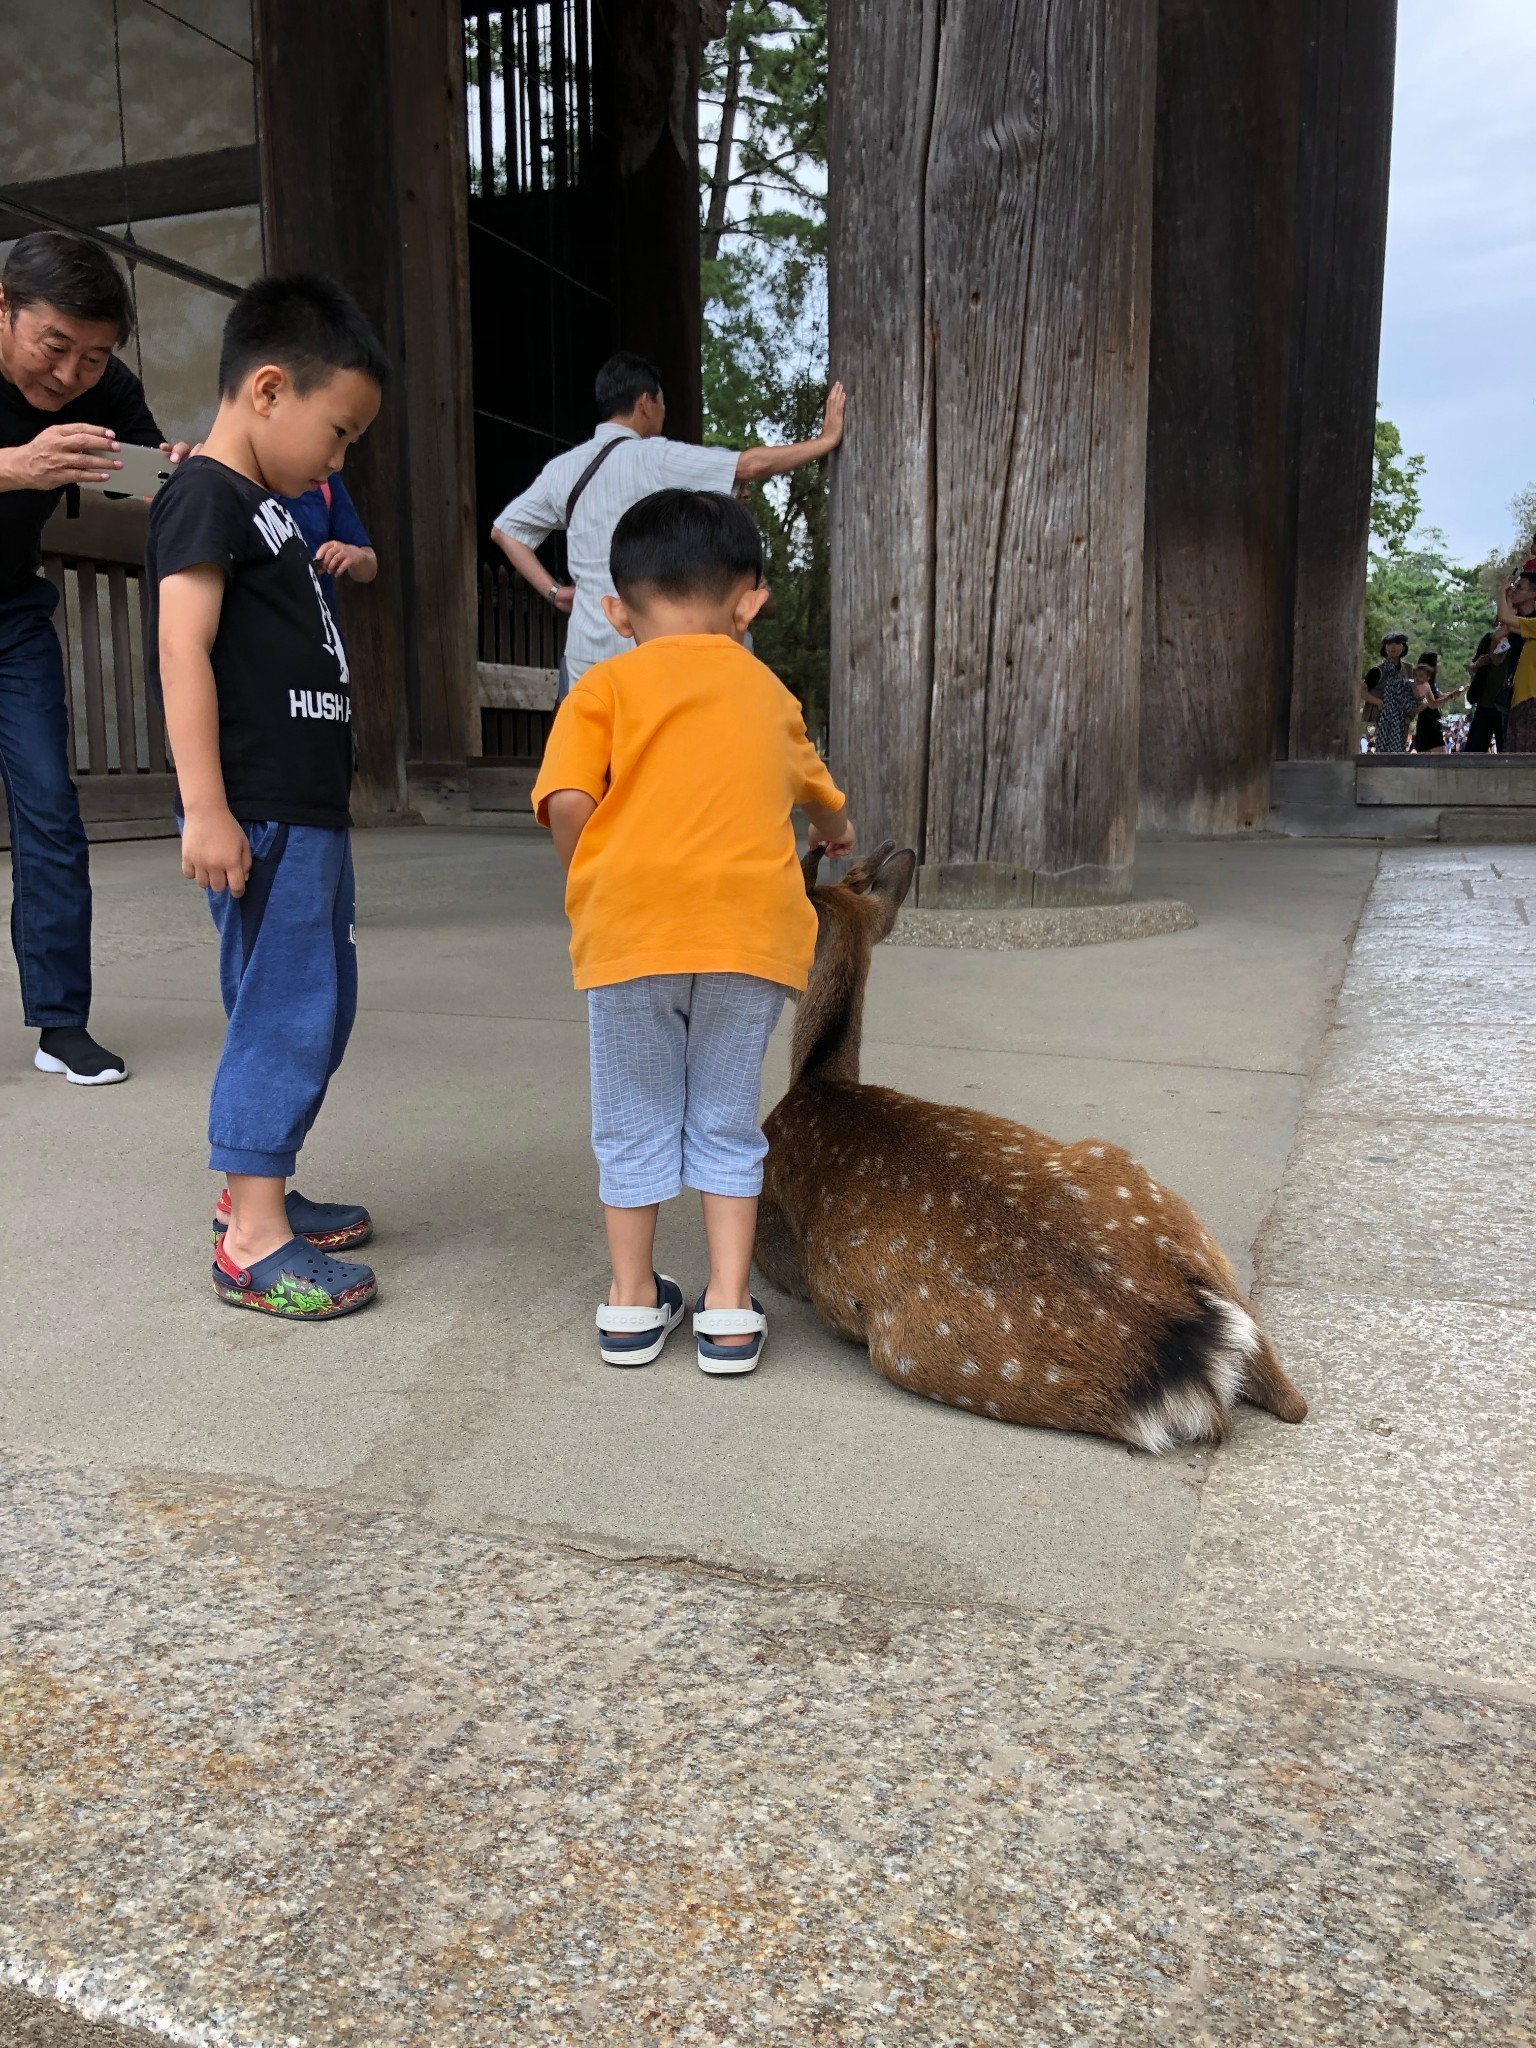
(553, 592)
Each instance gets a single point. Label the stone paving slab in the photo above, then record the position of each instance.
(273, 1772)
(1396, 1527)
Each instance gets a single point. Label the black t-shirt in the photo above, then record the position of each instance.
(116, 401)
(285, 701)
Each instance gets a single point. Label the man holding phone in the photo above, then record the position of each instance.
(67, 404)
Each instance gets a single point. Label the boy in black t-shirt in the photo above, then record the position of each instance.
(258, 710)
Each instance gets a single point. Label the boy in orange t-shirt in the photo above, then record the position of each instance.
(668, 783)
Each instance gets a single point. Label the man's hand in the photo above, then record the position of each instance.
(337, 558)
(61, 455)
(178, 451)
(832, 418)
(215, 852)
(564, 598)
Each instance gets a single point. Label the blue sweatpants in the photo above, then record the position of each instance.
(288, 975)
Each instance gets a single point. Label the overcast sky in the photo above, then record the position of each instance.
(1458, 343)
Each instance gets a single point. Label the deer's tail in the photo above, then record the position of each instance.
(1204, 1363)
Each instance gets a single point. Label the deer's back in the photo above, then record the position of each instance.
(982, 1262)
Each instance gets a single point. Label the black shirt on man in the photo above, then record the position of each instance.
(285, 702)
(117, 402)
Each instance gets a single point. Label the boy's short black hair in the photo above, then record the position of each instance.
(305, 324)
(680, 544)
(623, 381)
(79, 277)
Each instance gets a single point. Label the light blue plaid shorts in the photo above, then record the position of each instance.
(677, 1070)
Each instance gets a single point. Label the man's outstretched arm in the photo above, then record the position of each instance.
(754, 464)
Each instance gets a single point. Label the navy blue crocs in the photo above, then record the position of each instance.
(296, 1281)
(720, 1360)
(330, 1226)
(635, 1336)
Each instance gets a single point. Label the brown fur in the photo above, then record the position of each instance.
(982, 1263)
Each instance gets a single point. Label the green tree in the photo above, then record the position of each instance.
(1395, 505)
(763, 213)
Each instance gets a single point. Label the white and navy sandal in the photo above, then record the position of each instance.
(635, 1336)
(720, 1359)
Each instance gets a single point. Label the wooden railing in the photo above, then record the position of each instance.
(518, 628)
(117, 751)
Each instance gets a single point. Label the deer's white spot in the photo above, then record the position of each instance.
(1053, 1166)
(993, 1409)
(1078, 1194)
(1162, 1244)
(897, 1244)
(1009, 1369)
(1124, 1194)
(941, 1329)
(902, 1365)
(922, 1290)
(1095, 1151)
(1155, 1195)
(1128, 1283)
(1111, 1224)
(1005, 1324)
(1138, 1219)
(969, 1368)
(925, 1203)
(962, 1402)
(954, 1198)
(857, 1237)
(1052, 1375)
(970, 1230)
(879, 1272)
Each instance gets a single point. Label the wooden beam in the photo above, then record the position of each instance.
(990, 257)
(648, 57)
(370, 186)
(1216, 585)
(207, 181)
(1345, 151)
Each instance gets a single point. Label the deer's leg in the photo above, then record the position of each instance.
(776, 1254)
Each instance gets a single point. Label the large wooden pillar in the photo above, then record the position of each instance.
(990, 187)
(1218, 442)
(648, 59)
(1273, 132)
(1346, 148)
(367, 182)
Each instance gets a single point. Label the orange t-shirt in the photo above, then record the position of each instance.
(695, 755)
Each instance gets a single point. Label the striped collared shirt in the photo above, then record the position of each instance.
(652, 464)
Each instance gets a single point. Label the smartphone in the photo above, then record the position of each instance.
(144, 470)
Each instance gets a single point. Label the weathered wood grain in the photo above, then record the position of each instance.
(881, 65)
(1346, 144)
(1215, 639)
(991, 173)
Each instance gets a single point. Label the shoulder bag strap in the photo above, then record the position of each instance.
(587, 475)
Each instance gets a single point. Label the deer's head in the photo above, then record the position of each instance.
(853, 916)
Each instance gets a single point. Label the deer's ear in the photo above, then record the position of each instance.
(892, 881)
(810, 866)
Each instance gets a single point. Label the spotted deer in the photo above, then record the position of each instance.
(982, 1263)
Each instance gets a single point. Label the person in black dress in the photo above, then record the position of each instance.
(1389, 690)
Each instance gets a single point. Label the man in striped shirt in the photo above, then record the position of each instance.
(585, 492)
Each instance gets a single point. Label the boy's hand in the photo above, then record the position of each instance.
(832, 418)
(215, 852)
(335, 557)
(837, 839)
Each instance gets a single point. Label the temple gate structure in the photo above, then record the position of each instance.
(1105, 289)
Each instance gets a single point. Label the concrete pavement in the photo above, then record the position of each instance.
(414, 1680)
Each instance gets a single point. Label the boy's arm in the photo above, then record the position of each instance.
(567, 811)
(215, 852)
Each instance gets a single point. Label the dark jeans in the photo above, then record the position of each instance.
(1487, 724)
(50, 863)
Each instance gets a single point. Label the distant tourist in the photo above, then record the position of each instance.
(1389, 690)
(1488, 694)
(1428, 731)
(585, 492)
(1517, 614)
